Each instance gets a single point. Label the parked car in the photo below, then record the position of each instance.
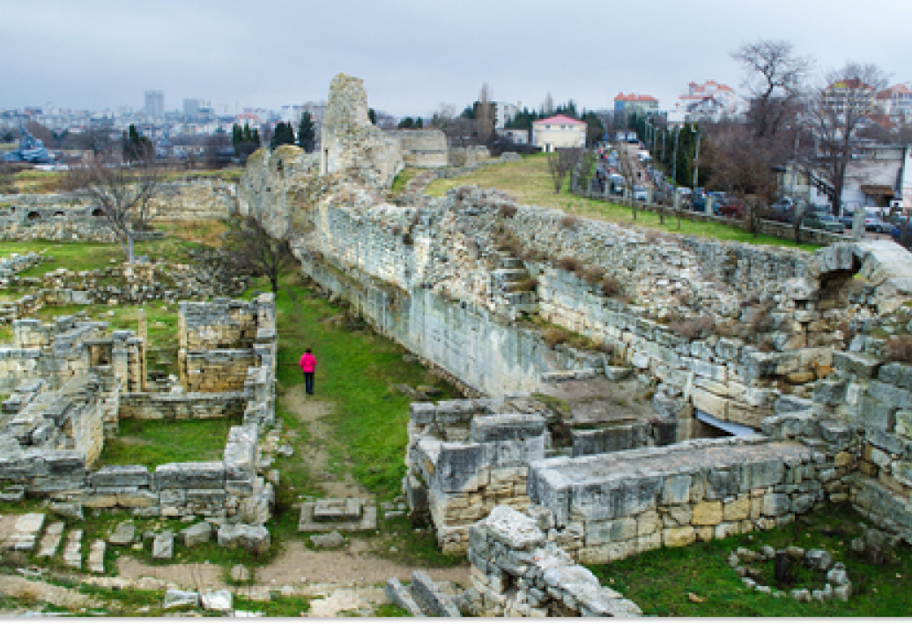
(698, 200)
(823, 221)
(874, 223)
(731, 208)
(639, 193)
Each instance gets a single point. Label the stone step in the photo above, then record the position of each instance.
(26, 531)
(96, 557)
(72, 554)
(51, 540)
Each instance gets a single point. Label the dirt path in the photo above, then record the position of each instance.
(314, 454)
(24, 589)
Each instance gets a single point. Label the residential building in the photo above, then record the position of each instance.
(504, 112)
(850, 93)
(557, 132)
(155, 104)
(896, 101)
(517, 136)
(633, 104)
(710, 99)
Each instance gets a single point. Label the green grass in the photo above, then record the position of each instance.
(529, 182)
(660, 581)
(357, 371)
(151, 443)
(276, 606)
(403, 178)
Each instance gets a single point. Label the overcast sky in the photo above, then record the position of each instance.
(415, 54)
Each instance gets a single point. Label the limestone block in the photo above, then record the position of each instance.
(676, 516)
(163, 545)
(776, 504)
(648, 523)
(676, 490)
(896, 374)
(738, 509)
(137, 499)
(712, 404)
(707, 513)
(178, 598)
(678, 536)
(609, 531)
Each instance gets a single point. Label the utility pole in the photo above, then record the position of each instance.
(674, 160)
(696, 159)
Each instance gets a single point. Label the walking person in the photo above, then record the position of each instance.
(308, 364)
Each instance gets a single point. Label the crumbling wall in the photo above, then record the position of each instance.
(425, 149)
(191, 406)
(518, 570)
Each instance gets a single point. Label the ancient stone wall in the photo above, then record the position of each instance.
(463, 156)
(422, 148)
(191, 406)
(69, 216)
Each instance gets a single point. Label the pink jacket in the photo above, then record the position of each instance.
(308, 363)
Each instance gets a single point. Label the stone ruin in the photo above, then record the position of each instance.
(762, 386)
(70, 216)
(72, 382)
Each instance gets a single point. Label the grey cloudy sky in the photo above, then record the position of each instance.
(415, 54)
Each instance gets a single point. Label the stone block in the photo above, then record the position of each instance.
(776, 504)
(876, 414)
(678, 536)
(860, 364)
(177, 598)
(608, 531)
(199, 533)
(163, 545)
(676, 490)
(255, 539)
(896, 374)
(707, 513)
(459, 467)
(121, 476)
(503, 427)
(738, 509)
(219, 600)
(894, 396)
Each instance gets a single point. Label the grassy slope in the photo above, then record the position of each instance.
(529, 182)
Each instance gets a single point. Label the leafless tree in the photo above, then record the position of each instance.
(627, 169)
(250, 250)
(484, 117)
(774, 79)
(122, 193)
(561, 162)
(835, 112)
(213, 144)
(97, 139)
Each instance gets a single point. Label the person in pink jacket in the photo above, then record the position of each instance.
(308, 364)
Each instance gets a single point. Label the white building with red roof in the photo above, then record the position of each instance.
(557, 132)
(896, 101)
(635, 104)
(710, 99)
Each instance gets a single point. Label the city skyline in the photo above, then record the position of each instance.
(413, 57)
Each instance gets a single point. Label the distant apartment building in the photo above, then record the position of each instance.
(557, 132)
(155, 104)
(504, 113)
(515, 135)
(849, 94)
(634, 104)
(896, 101)
(710, 99)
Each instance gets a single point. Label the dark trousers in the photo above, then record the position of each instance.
(309, 382)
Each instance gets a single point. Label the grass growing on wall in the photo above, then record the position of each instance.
(662, 582)
(529, 182)
(402, 178)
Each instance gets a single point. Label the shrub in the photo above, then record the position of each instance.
(507, 210)
(610, 286)
(693, 327)
(899, 349)
(554, 336)
(569, 221)
(569, 263)
(593, 275)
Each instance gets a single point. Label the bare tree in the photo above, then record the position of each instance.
(484, 117)
(560, 162)
(122, 194)
(250, 250)
(774, 79)
(627, 169)
(835, 112)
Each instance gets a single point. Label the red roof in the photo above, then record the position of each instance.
(559, 119)
(633, 97)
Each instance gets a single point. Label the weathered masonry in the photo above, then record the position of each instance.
(72, 382)
(772, 344)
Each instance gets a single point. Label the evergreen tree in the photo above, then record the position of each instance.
(306, 133)
(283, 135)
(372, 116)
(406, 123)
(419, 123)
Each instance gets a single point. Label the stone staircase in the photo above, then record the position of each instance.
(510, 284)
(31, 533)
